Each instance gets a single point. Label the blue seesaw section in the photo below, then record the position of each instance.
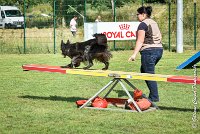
(190, 62)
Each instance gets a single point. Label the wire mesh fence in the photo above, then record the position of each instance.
(48, 24)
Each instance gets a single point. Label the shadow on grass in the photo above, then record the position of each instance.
(74, 99)
(122, 93)
(52, 98)
(190, 67)
(177, 109)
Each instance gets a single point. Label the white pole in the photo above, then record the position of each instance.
(179, 43)
(77, 12)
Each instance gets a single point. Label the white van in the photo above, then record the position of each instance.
(11, 17)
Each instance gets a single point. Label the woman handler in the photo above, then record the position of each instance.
(148, 43)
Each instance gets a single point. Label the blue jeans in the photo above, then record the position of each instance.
(149, 59)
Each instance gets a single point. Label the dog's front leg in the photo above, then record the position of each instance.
(90, 62)
(87, 56)
(68, 66)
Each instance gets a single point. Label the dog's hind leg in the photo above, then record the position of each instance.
(106, 65)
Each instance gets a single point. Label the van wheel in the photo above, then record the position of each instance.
(7, 26)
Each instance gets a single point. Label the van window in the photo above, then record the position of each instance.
(13, 13)
(2, 14)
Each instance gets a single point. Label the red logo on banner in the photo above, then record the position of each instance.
(124, 26)
(124, 32)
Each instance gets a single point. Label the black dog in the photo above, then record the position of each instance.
(87, 51)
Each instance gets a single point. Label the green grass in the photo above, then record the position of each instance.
(38, 102)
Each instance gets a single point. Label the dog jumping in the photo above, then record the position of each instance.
(87, 51)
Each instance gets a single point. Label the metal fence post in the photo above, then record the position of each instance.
(169, 26)
(195, 25)
(54, 25)
(114, 19)
(179, 19)
(85, 2)
(24, 26)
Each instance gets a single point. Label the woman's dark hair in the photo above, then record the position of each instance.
(146, 10)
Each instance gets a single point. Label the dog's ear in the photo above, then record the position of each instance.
(95, 35)
(62, 45)
(68, 42)
(62, 42)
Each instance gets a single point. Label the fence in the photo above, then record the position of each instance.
(48, 24)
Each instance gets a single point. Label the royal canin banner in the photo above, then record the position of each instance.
(112, 30)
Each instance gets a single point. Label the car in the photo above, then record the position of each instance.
(11, 17)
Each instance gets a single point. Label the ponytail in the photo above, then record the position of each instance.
(146, 10)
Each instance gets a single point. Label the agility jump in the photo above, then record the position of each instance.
(117, 76)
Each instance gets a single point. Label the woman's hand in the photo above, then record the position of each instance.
(132, 58)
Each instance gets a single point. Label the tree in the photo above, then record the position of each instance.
(67, 9)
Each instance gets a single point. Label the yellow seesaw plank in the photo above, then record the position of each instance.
(119, 74)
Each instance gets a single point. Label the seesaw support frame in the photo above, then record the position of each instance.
(116, 81)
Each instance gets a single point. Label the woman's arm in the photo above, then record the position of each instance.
(139, 43)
